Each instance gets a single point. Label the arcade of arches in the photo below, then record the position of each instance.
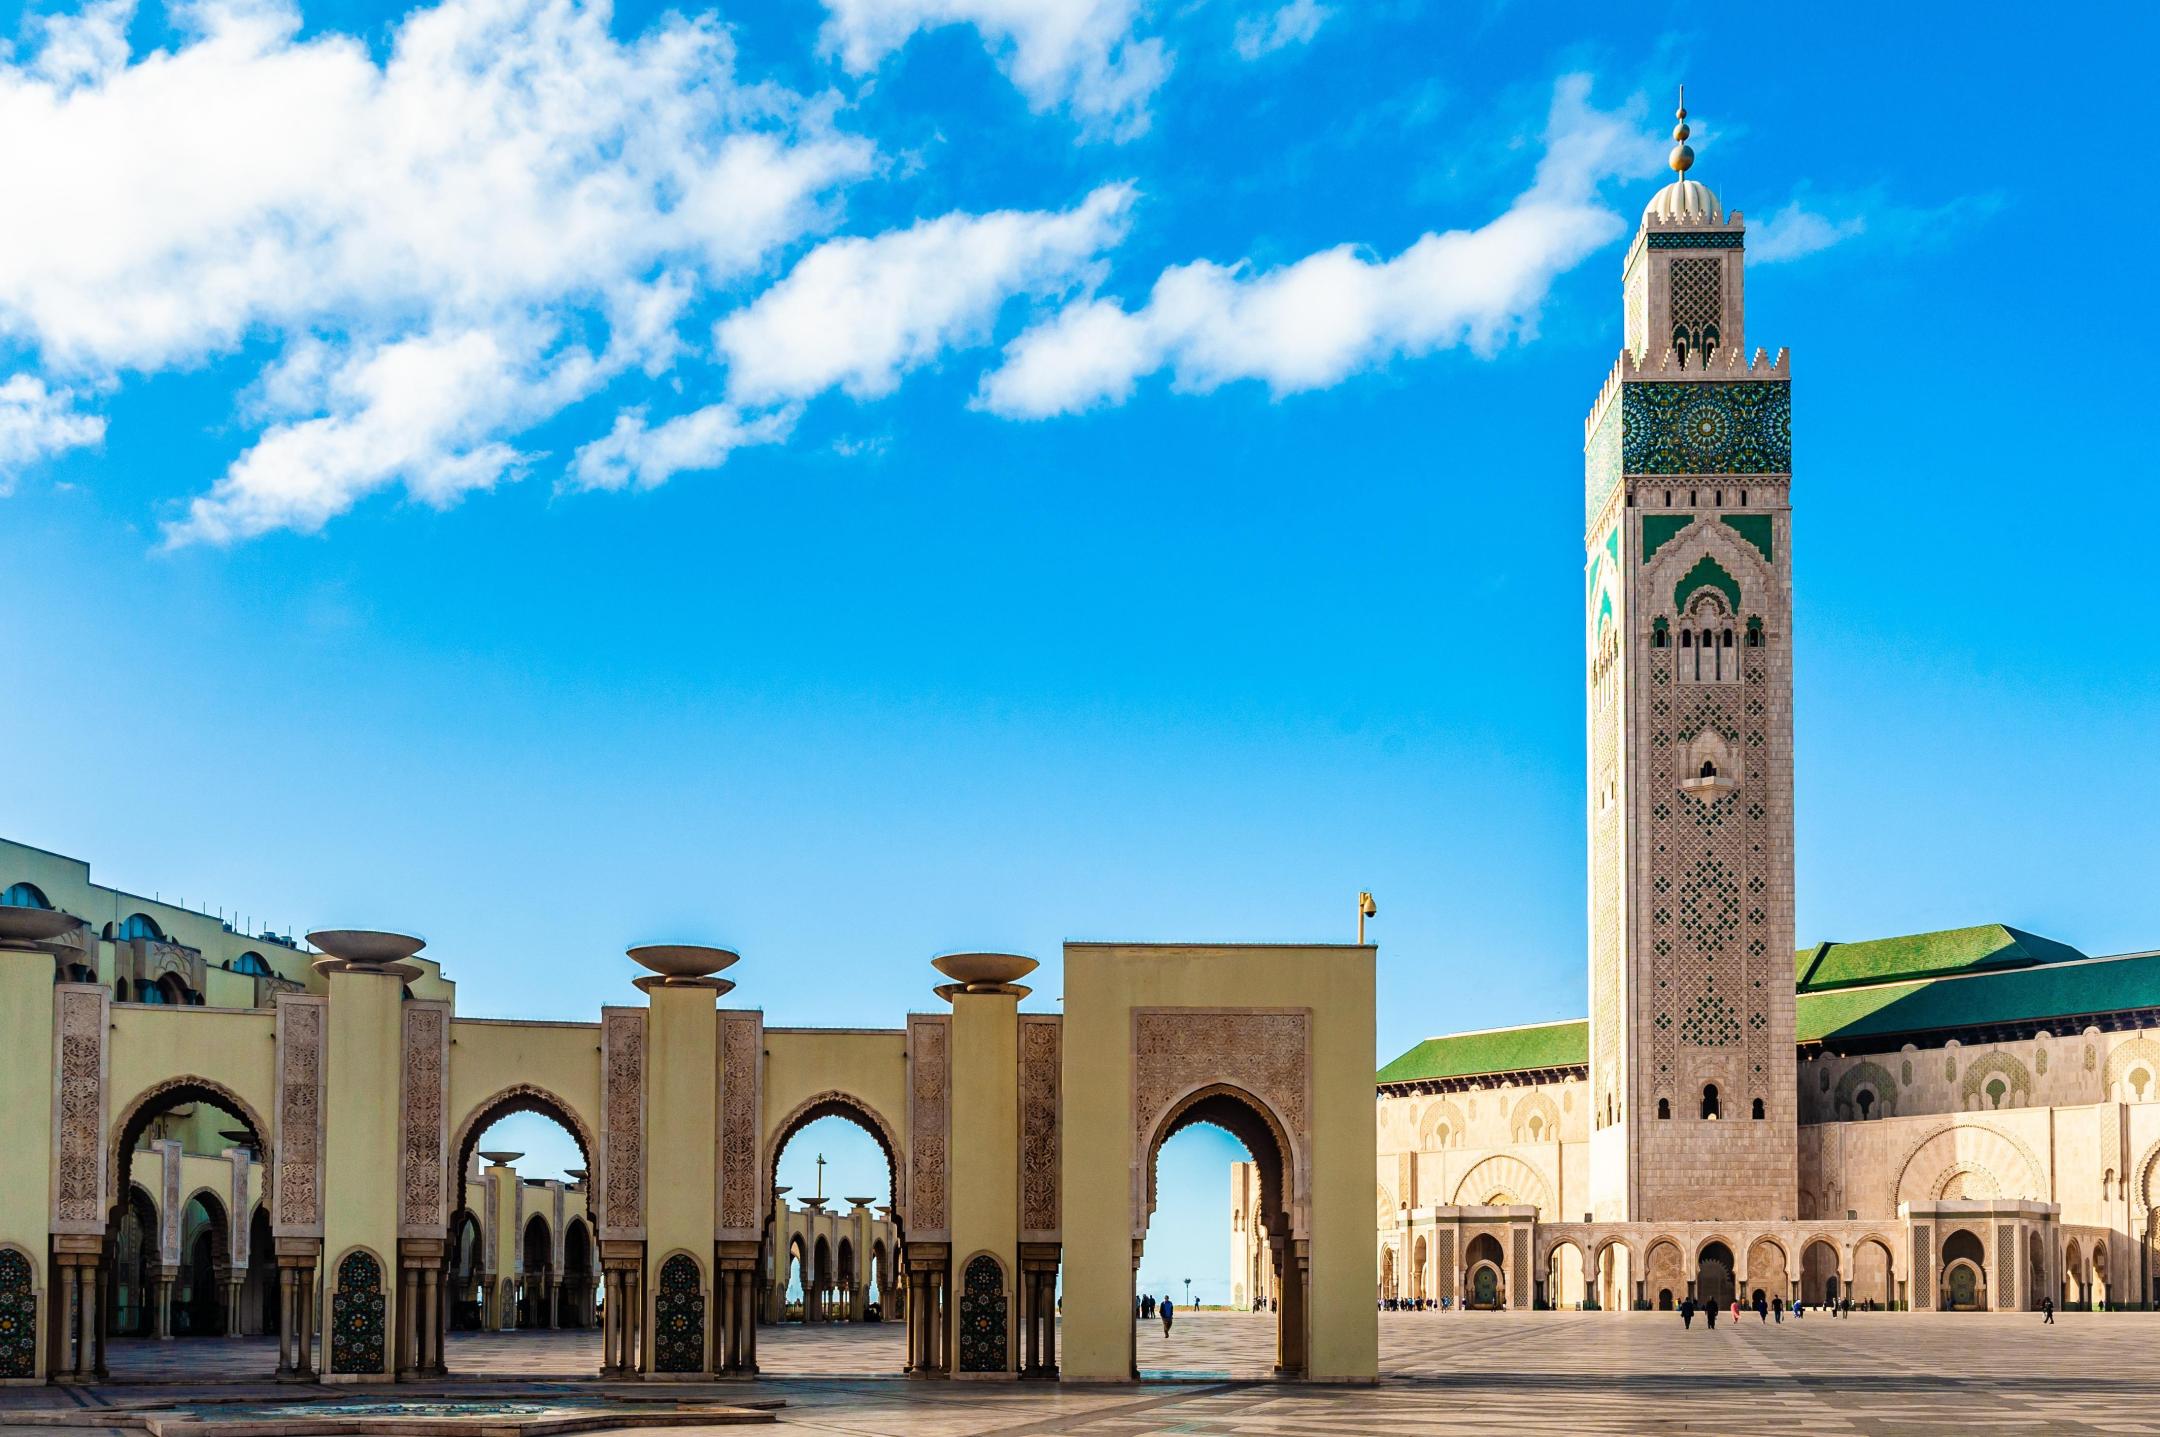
(201, 1174)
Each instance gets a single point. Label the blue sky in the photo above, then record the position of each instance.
(855, 479)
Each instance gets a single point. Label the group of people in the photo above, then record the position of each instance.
(1158, 1307)
(1415, 1304)
(1767, 1309)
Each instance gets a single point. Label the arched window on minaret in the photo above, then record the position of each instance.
(1710, 1101)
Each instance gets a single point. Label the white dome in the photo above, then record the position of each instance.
(1686, 199)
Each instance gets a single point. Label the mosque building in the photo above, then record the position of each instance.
(1960, 1120)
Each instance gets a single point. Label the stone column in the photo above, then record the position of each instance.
(164, 1305)
(288, 1323)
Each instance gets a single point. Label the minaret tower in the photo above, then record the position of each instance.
(1689, 648)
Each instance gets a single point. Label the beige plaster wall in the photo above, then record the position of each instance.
(1104, 984)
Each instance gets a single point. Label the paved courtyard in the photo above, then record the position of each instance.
(1560, 1373)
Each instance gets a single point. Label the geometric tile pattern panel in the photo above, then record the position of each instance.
(1707, 427)
(356, 1315)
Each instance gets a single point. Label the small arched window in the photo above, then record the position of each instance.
(141, 925)
(1758, 1109)
(1687, 638)
(1710, 1101)
(1754, 633)
(1709, 770)
(1660, 634)
(251, 964)
(23, 895)
(1866, 1100)
(150, 993)
(1664, 1107)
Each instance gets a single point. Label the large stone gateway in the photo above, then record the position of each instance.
(353, 1216)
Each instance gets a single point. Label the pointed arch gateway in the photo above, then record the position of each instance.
(1252, 1122)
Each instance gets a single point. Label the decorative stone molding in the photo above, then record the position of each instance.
(81, 1014)
(1264, 1053)
(1041, 1072)
(622, 1134)
(296, 1195)
(742, 1048)
(424, 1113)
(929, 1124)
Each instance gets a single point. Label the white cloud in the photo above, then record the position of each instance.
(634, 456)
(1082, 54)
(858, 313)
(1312, 323)
(1795, 232)
(37, 422)
(1294, 24)
(510, 171)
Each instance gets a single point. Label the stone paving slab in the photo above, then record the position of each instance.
(1568, 1374)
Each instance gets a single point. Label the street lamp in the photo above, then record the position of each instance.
(1188, 1294)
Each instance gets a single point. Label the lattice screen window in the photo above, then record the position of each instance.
(1697, 306)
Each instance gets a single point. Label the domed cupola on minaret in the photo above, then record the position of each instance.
(1688, 532)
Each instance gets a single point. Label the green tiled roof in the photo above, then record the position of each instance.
(1497, 1050)
(1925, 955)
(1958, 978)
(2051, 990)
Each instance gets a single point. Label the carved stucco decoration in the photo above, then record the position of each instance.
(424, 1114)
(742, 1046)
(929, 1124)
(622, 1134)
(80, 1022)
(1040, 1060)
(238, 1217)
(296, 1196)
(168, 1151)
(556, 1236)
(1264, 1053)
(494, 1252)
(1923, 1266)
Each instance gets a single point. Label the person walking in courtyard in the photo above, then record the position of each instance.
(1709, 1312)
(1736, 1309)
(2047, 1312)
(1687, 1312)
(1165, 1308)
(1762, 1308)
(1777, 1309)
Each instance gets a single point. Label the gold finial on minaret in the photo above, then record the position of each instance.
(1681, 157)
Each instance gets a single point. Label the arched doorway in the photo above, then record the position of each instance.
(1564, 1275)
(1964, 1273)
(1250, 1123)
(466, 1274)
(259, 1296)
(1874, 1275)
(1714, 1274)
(1819, 1273)
(536, 1288)
(1616, 1275)
(1483, 1265)
(833, 1241)
(1665, 1276)
(202, 1292)
(501, 1262)
(132, 1278)
(579, 1271)
(171, 1271)
(1387, 1273)
(1767, 1274)
(2036, 1284)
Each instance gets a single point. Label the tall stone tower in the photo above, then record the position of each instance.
(1689, 628)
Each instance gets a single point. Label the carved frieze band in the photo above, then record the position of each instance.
(168, 1151)
(1267, 1054)
(929, 1124)
(622, 1136)
(1041, 1037)
(296, 1199)
(238, 1218)
(425, 1115)
(742, 1045)
(494, 1257)
(80, 1023)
